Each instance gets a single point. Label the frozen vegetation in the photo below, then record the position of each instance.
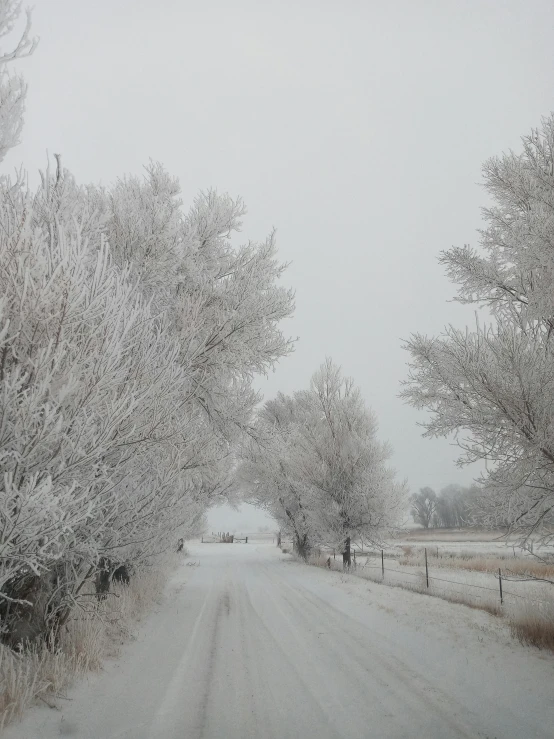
(132, 330)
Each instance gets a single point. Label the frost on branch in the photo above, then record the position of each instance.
(493, 386)
(122, 394)
(13, 89)
(224, 303)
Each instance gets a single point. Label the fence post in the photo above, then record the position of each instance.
(383, 564)
(500, 583)
(426, 568)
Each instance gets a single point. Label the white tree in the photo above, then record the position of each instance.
(68, 318)
(453, 506)
(424, 505)
(117, 401)
(493, 386)
(13, 89)
(323, 473)
(221, 307)
(358, 494)
(130, 334)
(270, 473)
(223, 303)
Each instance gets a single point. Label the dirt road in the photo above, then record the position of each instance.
(250, 645)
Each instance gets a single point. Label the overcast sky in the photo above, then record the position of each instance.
(357, 128)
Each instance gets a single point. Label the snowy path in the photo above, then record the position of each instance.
(248, 645)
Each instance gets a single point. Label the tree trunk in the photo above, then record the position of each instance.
(102, 579)
(302, 546)
(346, 555)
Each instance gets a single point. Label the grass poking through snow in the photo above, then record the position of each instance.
(91, 636)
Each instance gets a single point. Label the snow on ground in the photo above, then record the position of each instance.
(461, 540)
(478, 588)
(447, 550)
(257, 645)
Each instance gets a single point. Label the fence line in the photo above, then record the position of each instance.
(500, 591)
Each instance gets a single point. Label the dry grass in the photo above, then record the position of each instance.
(91, 636)
(534, 627)
(495, 609)
(522, 565)
(318, 560)
(513, 566)
(450, 535)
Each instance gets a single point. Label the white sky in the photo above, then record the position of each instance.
(357, 128)
(245, 519)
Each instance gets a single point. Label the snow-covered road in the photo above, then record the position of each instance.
(249, 644)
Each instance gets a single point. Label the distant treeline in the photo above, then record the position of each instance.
(453, 507)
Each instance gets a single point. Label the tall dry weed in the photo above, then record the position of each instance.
(94, 633)
(534, 627)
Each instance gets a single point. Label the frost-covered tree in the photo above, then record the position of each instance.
(493, 386)
(454, 507)
(423, 507)
(323, 473)
(270, 474)
(87, 381)
(346, 463)
(121, 395)
(130, 334)
(225, 303)
(13, 88)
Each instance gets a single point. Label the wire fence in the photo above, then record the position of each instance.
(379, 567)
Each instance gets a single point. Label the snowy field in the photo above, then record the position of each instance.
(252, 644)
(480, 589)
(462, 566)
(459, 540)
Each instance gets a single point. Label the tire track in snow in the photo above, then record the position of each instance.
(358, 654)
(253, 648)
